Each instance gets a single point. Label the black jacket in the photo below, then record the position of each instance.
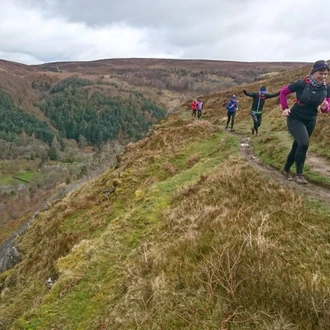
(259, 100)
(306, 111)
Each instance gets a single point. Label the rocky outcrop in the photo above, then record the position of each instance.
(9, 255)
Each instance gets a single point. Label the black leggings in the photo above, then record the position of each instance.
(231, 116)
(301, 132)
(256, 117)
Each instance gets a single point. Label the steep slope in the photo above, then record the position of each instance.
(184, 233)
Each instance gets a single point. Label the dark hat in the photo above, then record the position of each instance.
(320, 66)
(262, 89)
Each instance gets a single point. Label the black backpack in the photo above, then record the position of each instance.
(313, 95)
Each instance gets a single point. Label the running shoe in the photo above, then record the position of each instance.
(287, 175)
(300, 179)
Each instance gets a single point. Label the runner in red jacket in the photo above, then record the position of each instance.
(194, 108)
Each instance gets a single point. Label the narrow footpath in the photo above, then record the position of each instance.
(311, 191)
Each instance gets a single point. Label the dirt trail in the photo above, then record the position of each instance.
(318, 164)
(311, 190)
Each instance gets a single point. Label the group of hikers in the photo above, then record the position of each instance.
(312, 95)
(197, 107)
(258, 101)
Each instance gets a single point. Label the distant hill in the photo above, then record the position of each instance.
(180, 76)
(165, 79)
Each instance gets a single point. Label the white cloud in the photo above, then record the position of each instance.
(36, 31)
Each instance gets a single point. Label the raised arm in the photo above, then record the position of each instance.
(269, 96)
(247, 93)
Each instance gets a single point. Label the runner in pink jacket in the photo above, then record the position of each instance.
(312, 95)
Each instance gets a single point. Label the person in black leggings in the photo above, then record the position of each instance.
(312, 94)
(258, 102)
(232, 107)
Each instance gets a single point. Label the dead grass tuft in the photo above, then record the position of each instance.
(170, 168)
(192, 160)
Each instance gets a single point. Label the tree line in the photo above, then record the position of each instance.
(95, 117)
(78, 114)
(14, 121)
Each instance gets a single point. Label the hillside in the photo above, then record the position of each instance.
(192, 229)
(61, 122)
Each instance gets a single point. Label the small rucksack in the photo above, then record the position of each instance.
(313, 95)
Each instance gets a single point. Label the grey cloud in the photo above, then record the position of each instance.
(244, 30)
(138, 13)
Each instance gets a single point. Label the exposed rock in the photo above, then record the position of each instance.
(9, 255)
(49, 283)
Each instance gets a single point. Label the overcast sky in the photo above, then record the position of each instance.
(40, 31)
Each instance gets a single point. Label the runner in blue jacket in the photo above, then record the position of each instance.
(232, 106)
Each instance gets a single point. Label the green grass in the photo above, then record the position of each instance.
(29, 175)
(193, 238)
(10, 179)
(273, 146)
(6, 180)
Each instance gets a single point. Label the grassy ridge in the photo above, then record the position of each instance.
(192, 237)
